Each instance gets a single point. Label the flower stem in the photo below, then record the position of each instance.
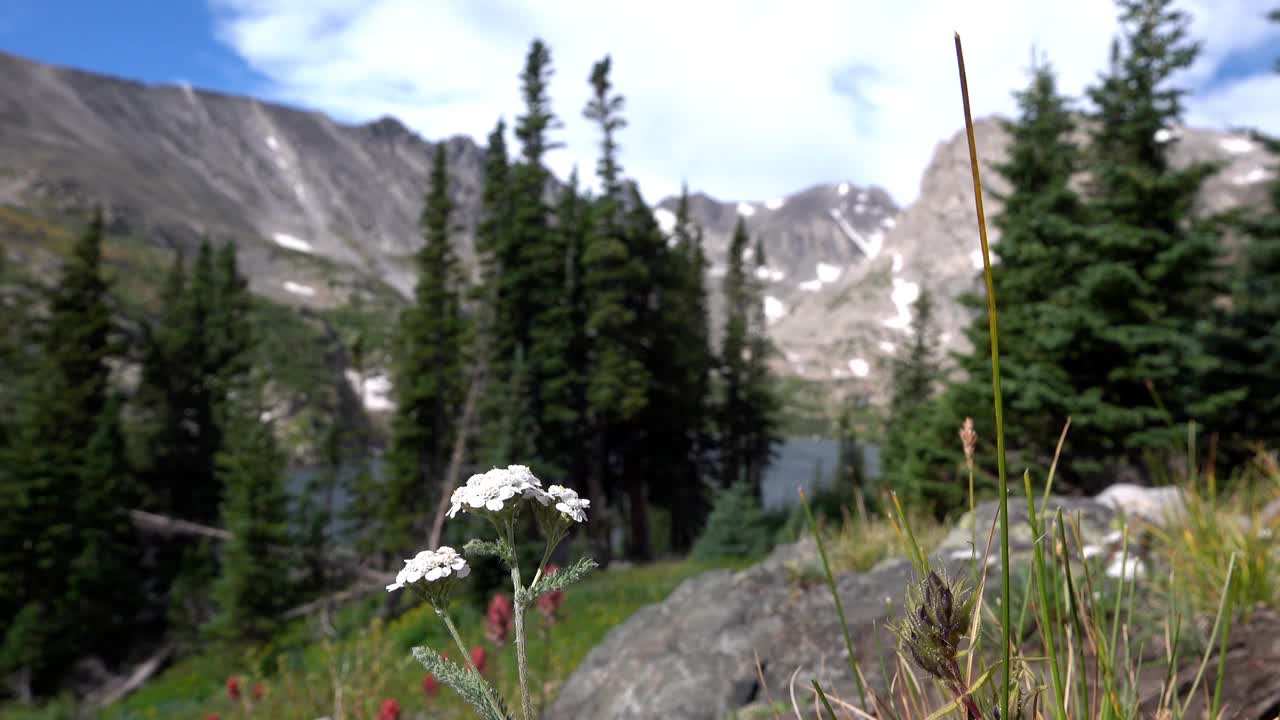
(466, 657)
(521, 660)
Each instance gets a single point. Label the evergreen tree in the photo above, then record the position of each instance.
(762, 404)
(732, 427)
(492, 298)
(253, 585)
(64, 486)
(1249, 335)
(614, 282)
(104, 581)
(679, 415)
(428, 372)
(1042, 235)
(1140, 366)
(913, 463)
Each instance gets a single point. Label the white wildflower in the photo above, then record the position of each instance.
(568, 502)
(493, 489)
(432, 565)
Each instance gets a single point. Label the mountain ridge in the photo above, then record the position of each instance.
(323, 211)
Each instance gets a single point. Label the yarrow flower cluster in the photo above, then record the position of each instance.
(496, 495)
(568, 502)
(432, 565)
(493, 489)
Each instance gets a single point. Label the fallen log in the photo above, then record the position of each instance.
(117, 688)
(165, 525)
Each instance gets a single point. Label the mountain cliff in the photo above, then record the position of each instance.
(322, 211)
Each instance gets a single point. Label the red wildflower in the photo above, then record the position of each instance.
(479, 658)
(212, 716)
(549, 603)
(233, 688)
(429, 685)
(390, 710)
(497, 620)
(258, 691)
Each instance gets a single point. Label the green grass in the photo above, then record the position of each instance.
(372, 662)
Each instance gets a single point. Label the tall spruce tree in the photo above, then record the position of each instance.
(614, 280)
(1249, 336)
(913, 464)
(1042, 234)
(679, 412)
(1140, 367)
(253, 584)
(732, 426)
(535, 280)
(492, 299)
(64, 488)
(762, 404)
(428, 372)
(747, 423)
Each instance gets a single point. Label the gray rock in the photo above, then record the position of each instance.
(692, 656)
(1154, 504)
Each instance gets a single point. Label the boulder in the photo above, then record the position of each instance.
(692, 656)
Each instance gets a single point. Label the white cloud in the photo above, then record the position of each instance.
(856, 90)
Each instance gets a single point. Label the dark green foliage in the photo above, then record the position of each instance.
(65, 487)
(617, 287)
(493, 302)
(736, 528)
(1043, 228)
(747, 412)
(191, 356)
(914, 463)
(1248, 338)
(254, 583)
(681, 364)
(1139, 365)
(428, 378)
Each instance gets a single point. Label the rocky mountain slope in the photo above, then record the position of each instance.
(848, 327)
(320, 210)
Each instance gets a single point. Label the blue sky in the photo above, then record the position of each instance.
(744, 99)
(159, 41)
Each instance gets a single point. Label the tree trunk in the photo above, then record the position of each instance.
(639, 549)
(455, 461)
(599, 531)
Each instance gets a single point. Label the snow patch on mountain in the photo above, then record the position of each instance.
(773, 308)
(375, 388)
(828, 273)
(666, 220)
(888, 347)
(775, 203)
(770, 274)
(811, 285)
(286, 240)
(746, 210)
(1256, 175)
(843, 189)
(859, 367)
(273, 143)
(1236, 145)
(298, 289)
(904, 293)
(898, 262)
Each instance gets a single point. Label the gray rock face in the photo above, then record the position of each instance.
(692, 656)
(934, 243)
(318, 208)
(172, 164)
